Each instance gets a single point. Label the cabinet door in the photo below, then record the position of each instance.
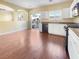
(50, 28)
(55, 14)
(44, 15)
(66, 13)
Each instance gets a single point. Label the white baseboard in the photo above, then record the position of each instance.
(12, 31)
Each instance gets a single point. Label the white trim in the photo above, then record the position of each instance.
(13, 31)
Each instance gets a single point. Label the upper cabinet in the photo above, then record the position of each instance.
(59, 14)
(44, 15)
(56, 14)
(66, 13)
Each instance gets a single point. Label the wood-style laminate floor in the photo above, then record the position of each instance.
(31, 44)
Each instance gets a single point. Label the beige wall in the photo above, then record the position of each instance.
(10, 25)
(6, 26)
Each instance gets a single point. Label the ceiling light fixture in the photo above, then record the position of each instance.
(50, 0)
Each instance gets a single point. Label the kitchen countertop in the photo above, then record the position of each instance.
(63, 21)
(76, 31)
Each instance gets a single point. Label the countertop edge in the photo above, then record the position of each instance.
(76, 31)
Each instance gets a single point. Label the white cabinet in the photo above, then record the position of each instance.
(57, 29)
(55, 14)
(60, 13)
(73, 45)
(66, 13)
(44, 15)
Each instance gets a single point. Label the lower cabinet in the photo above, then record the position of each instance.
(73, 45)
(57, 29)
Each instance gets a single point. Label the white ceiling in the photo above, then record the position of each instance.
(33, 3)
